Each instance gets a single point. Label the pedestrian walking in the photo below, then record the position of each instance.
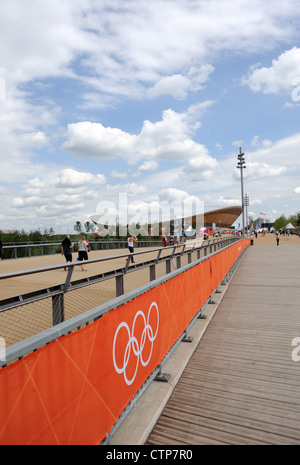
(251, 238)
(277, 238)
(131, 244)
(66, 249)
(83, 251)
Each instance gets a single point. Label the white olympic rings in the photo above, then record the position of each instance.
(133, 344)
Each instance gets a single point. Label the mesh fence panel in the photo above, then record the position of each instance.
(21, 322)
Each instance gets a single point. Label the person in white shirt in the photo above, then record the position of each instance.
(83, 251)
(131, 244)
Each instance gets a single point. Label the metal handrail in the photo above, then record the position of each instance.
(31, 343)
(15, 274)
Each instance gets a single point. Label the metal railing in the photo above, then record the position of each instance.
(25, 315)
(27, 250)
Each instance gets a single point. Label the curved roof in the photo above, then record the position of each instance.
(223, 217)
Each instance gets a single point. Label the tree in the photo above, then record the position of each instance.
(89, 227)
(281, 222)
(78, 227)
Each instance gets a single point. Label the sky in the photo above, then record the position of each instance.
(149, 101)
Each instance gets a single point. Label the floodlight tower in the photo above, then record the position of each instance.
(246, 204)
(241, 165)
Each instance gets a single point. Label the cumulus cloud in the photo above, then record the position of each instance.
(277, 155)
(178, 85)
(149, 165)
(283, 74)
(93, 42)
(201, 165)
(90, 55)
(264, 170)
(88, 139)
(73, 178)
(35, 139)
(167, 139)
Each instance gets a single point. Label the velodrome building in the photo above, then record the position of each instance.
(223, 217)
(220, 218)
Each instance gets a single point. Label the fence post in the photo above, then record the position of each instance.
(168, 266)
(119, 285)
(152, 272)
(58, 309)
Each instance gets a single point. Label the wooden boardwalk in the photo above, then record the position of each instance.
(242, 386)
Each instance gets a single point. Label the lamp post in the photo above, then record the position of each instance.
(246, 204)
(241, 165)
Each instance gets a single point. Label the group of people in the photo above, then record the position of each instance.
(83, 249)
(171, 240)
(254, 233)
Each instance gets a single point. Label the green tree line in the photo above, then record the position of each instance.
(282, 221)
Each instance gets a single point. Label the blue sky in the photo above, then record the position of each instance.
(151, 99)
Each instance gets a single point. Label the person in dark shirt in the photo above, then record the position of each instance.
(1, 249)
(66, 248)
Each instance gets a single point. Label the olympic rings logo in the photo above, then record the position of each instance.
(134, 345)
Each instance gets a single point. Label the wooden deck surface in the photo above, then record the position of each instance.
(241, 385)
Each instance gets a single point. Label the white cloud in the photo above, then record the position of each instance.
(73, 178)
(88, 139)
(178, 85)
(237, 143)
(60, 59)
(283, 153)
(169, 138)
(263, 170)
(229, 202)
(148, 165)
(297, 190)
(283, 74)
(201, 165)
(117, 174)
(107, 43)
(35, 139)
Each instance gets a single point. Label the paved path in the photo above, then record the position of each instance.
(239, 383)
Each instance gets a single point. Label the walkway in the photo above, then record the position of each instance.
(241, 384)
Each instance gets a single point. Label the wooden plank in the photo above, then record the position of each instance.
(241, 385)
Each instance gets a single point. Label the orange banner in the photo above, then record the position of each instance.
(73, 390)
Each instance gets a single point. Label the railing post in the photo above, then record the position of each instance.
(58, 309)
(119, 285)
(168, 266)
(152, 272)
